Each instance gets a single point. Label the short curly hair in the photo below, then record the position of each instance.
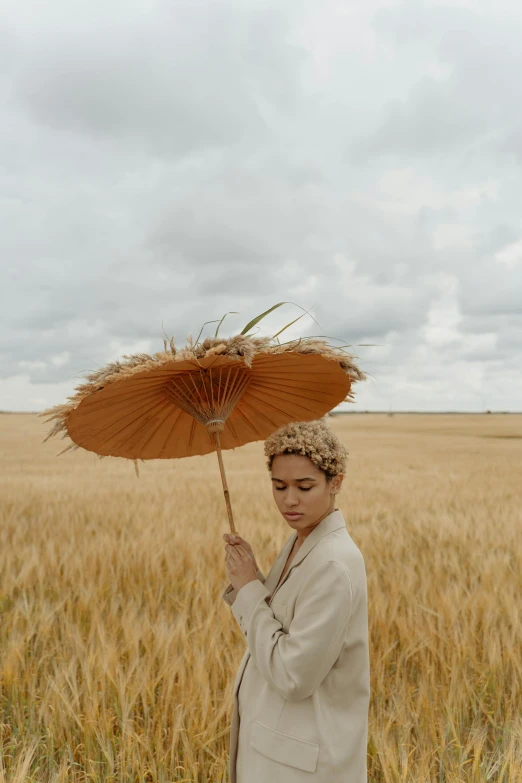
(313, 439)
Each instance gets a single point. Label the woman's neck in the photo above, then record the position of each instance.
(301, 539)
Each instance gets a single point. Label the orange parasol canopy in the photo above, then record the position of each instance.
(218, 395)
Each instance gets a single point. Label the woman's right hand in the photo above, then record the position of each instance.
(238, 541)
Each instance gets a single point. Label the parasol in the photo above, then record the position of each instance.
(215, 395)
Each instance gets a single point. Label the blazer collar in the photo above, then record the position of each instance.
(331, 522)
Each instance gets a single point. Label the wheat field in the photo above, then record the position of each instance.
(118, 655)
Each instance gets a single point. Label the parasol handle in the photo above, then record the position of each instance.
(225, 485)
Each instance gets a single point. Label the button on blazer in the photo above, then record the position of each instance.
(305, 701)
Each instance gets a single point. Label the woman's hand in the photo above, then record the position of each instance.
(240, 566)
(235, 540)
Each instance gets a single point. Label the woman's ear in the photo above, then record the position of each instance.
(336, 482)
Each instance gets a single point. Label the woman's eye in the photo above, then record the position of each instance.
(303, 489)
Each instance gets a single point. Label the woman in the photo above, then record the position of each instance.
(302, 691)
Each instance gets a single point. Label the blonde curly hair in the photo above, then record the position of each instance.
(313, 439)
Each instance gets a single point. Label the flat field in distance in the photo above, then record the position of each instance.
(118, 655)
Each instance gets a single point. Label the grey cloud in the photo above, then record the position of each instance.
(489, 240)
(509, 146)
(491, 288)
(430, 122)
(504, 330)
(479, 95)
(261, 211)
(410, 24)
(186, 237)
(245, 213)
(429, 217)
(198, 79)
(244, 281)
(382, 312)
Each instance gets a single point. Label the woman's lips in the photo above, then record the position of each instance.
(291, 514)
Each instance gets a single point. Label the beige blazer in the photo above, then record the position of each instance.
(305, 675)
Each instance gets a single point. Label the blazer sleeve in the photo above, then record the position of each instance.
(295, 663)
(230, 594)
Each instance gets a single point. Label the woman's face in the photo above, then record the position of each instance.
(299, 486)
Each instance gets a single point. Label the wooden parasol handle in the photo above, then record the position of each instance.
(225, 485)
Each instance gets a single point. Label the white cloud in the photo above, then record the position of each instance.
(444, 315)
(60, 359)
(510, 256)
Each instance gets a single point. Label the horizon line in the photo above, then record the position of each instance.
(353, 412)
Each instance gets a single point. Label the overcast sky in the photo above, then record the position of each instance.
(171, 161)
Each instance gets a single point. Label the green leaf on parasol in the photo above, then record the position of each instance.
(219, 324)
(256, 320)
(206, 322)
(286, 327)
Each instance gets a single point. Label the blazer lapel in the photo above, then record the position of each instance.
(328, 524)
(275, 572)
